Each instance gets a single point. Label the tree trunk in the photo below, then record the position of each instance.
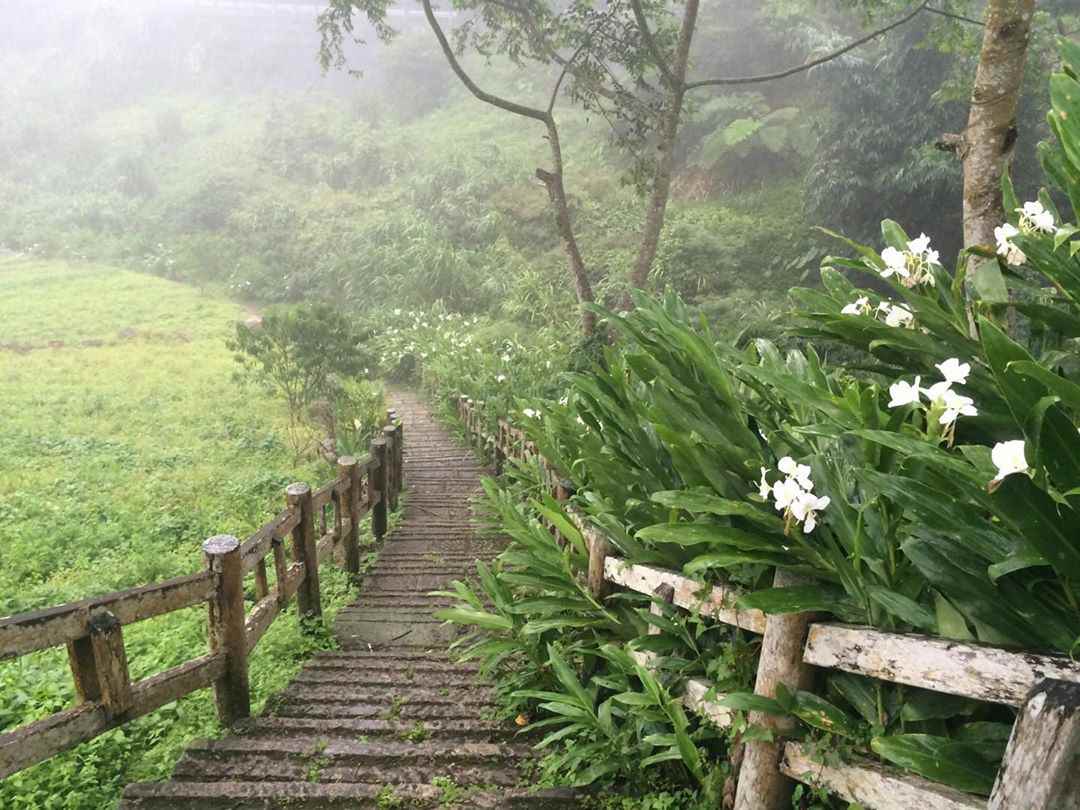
(557, 193)
(675, 79)
(553, 180)
(991, 129)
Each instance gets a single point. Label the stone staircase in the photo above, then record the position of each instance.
(389, 720)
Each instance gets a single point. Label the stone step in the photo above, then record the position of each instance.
(333, 687)
(343, 796)
(448, 731)
(378, 632)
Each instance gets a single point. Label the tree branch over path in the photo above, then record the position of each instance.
(768, 77)
(488, 98)
(553, 180)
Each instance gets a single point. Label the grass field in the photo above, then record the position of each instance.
(124, 443)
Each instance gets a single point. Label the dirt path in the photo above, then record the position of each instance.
(389, 721)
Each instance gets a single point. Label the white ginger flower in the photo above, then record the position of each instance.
(956, 405)
(904, 393)
(954, 371)
(919, 246)
(800, 472)
(1009, 458)
(805, 508)
(899, 316)
(1003, 235)
(764, 487)
(861, 306)
(1036, 218)
(895, 263)
(785, 492)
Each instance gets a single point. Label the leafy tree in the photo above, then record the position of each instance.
(301, 354)
(627, 61)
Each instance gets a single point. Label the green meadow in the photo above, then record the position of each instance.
(124, 442)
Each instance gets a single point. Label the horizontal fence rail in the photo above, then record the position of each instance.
(1041, 770)
(313, 528)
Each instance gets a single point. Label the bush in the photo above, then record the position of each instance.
(929, 486)
(306, 355)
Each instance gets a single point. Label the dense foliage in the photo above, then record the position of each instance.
(926, 484)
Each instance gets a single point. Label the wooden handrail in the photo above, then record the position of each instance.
(92, 629)
(40, 629)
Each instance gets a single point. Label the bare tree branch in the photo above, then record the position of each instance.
(953, 16)
(473, 87)
(768, 77)
(650, 43)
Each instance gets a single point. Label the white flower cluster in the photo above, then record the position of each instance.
(1034, 219)
(944, 401)
(911, 266)
(894, 314)
(794, 495)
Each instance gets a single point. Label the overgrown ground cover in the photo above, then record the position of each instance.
(123, 444)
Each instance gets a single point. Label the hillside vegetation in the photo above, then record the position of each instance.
(123, 445)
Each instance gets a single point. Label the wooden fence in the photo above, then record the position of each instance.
(320, 525)
(1041, 770)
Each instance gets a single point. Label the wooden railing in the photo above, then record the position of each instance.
(92, 630)
(1041, 770)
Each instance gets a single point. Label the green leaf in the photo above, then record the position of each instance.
(726, 559)
(923, 704)
(903, 608)
(798, 599)
(817, 712)
(1020, 561)
(692, 534)
(702, 500)
(749, 702)
(1047, 527)
(568, 678)
(894, 235)
(480, 618)
(1066, 389)
(988, 281)
(939, 759)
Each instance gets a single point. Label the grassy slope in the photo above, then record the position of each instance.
(116, 460)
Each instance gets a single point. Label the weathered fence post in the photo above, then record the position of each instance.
(262, 583)
(598, 546)
(391, 472)
(399, 461)
(500, 447)
(84, 670)
(99, 664)
(227, 633)
(308, 600)
(348, 468)
(761, 784)
(377, 484)
(1041, 769)
(110, 661)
